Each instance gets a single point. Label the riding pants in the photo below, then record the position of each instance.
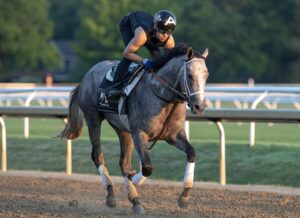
(127, 35)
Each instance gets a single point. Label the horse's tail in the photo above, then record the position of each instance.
(75, 118)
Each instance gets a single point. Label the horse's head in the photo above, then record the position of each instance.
(188, 69)
(194, 74)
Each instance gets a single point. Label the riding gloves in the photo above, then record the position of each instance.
(148, 64)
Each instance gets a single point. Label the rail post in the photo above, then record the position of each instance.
(222, 153)
(4, 153)
(26, 119)
(68, 154)
(252, 124)
(187, 129)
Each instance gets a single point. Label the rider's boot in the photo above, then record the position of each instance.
(120, 74)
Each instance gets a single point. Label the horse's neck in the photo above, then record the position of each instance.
(166, 79)
(171, 70)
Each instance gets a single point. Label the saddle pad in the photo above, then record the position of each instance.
(106, 103)
(110, 104)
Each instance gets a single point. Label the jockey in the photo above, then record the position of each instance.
(141, 29)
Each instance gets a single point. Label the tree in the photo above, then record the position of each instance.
(64, 14)
(258, 39)
(246, 38)
(292, 20)
(25, 35)
(267, 25)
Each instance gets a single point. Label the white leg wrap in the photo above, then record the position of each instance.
(189, 175)
(105, 176)
(138, 179)
(131, 190)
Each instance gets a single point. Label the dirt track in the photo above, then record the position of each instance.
(32, 194)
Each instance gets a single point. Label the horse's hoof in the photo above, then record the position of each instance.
(183, 202)
(138, 209)
(111, 201)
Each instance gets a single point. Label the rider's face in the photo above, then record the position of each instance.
(162, 36)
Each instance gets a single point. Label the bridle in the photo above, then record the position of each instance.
(186, 94)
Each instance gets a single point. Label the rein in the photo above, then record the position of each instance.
(182, 96)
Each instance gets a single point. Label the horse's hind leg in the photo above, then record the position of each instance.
(94, 126)
(127, 147)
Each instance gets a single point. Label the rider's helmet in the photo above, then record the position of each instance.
(164, 21)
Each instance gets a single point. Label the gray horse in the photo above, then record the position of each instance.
(156, 111)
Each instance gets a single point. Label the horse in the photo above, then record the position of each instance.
(156, 110)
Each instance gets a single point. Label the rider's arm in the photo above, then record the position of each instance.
(139, 39)
(170, 43)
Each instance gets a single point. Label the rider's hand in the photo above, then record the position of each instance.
(148, 63)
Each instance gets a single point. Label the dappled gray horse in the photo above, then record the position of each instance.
(156, 111)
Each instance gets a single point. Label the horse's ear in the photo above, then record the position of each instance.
(189, 53)
(205, 53)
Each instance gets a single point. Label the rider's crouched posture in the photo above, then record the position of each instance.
(142, 29)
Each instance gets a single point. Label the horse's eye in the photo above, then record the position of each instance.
(190, 76)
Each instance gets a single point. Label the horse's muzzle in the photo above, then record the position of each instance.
(198, 108)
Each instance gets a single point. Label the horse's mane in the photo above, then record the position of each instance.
(168, 54)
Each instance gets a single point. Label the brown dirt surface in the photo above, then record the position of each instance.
(40, 194)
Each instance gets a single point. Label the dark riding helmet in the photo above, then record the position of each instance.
(164, 21)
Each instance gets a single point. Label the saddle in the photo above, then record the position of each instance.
(106, 102)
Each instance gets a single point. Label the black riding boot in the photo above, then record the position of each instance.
(120, 74)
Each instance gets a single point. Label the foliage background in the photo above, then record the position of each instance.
(258, 39)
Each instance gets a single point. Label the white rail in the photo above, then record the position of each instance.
(241, 96)
(218, 94)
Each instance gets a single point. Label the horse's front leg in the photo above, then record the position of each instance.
(181, 142)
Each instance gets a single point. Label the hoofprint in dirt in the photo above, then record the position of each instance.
(36, 194)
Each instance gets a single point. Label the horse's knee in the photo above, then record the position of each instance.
(191, 155)
(147, 170)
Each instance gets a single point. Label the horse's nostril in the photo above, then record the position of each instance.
(197, 107)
